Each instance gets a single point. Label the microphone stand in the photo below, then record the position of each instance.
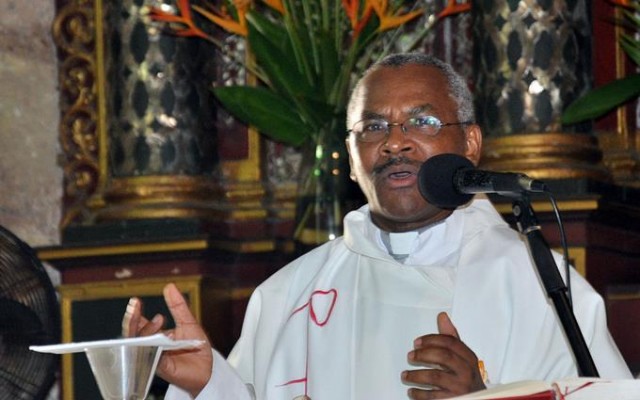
(553, 283)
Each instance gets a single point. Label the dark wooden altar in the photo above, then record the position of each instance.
(217, 277)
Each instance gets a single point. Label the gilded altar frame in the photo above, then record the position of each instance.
(90, 193)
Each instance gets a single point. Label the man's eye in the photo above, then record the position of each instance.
(373, 126)
(428, 121)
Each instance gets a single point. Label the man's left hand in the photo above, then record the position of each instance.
(453, 367)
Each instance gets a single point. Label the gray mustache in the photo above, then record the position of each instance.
(396, 161)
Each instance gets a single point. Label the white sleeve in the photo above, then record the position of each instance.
(224, 384)
(592, 319)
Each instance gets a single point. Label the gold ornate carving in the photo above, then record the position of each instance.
(91, 193)
(181, 196)
(75, 34)
(546, 155)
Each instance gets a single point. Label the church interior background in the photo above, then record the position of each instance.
(109, 231)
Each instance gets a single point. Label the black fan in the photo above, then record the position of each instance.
(29, 315)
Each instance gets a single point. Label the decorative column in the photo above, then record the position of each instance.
(161, 132)
(142, 138)
(531, 59)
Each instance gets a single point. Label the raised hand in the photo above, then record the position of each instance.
(451, 368)
(189, 369)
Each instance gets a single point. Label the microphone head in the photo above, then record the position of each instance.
(436, 180)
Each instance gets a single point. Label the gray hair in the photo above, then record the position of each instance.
(458, 87)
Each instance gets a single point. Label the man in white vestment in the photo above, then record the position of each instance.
(414, 301)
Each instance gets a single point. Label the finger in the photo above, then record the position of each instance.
(443, 350)
(421, 389)
(430, 382)
(142, 323)
(442, 358)
(422, 394)
(131, 318)
(151, 327)
(424, 378)
(445, 326)
(439, 341)
(178, 306)
(455, 372)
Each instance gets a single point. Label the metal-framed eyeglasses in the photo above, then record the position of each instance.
(374, 130)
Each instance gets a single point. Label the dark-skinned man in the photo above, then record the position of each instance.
(414, 301)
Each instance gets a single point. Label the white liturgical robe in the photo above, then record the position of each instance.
(338, 322)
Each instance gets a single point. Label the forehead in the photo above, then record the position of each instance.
(393, 90)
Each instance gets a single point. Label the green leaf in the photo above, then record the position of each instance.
(269, 30)
(302, 51)
(279, 66)
(271, 114)
(631, 47)
(329, 64)
(602, 99)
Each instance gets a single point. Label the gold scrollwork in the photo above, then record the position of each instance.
(77, 79)
(79, 140)
(74, 28)
(74, 32)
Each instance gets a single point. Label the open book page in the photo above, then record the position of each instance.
(564, 389)
(532, 390)
(597, 389)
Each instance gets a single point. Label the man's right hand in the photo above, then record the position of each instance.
(188, 369)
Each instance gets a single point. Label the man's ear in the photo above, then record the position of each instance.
(352, 175)
(473, 143)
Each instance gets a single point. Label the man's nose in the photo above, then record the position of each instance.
(397, 140)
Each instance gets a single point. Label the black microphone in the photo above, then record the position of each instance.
(450, 180)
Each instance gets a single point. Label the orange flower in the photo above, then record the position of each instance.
(453, 7)
(182, 24)
(225, 21)
(276, 5)
(352, 8)
(387, 19)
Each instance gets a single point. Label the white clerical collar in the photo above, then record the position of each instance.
(399, 244)
(430, 245)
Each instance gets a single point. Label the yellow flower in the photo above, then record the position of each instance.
(387, 19)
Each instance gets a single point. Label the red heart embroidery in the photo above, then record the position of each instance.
(321, 305)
